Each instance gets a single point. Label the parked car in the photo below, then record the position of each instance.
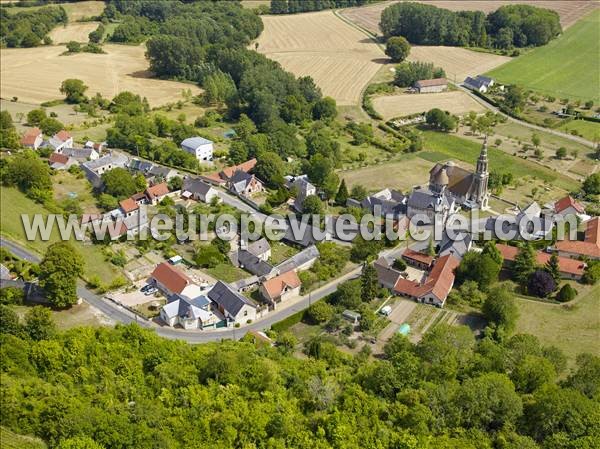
(145, 288)
(150, 291)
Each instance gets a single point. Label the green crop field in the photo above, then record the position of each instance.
(566, 68)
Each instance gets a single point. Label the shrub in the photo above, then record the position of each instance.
(566, 293)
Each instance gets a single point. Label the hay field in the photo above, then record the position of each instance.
(34, 75)
(570, 11)
(566, 67)
(340, 58)
(74, 31)
(457, 62)
(75, 11)
(455, 102)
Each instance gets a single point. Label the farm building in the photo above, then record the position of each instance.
(568, 268)
(431, 86)
(198, 190)
(200, 147)
(589, 247)
(33, 138)
(479, 83)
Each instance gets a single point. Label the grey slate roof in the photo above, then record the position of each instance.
(426, 199)
(140, 165)
(196, 186)
(457, 248)
(253, 264)
(192, 143)
(229, 299)
(298, 259)
(78, 153)
(117, 160)
(239, 180)
(259, 247)
(386, 275)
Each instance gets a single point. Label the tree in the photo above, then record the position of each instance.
(591, 185)
(365, 250)
(541, 284)
(320, 312)
(349, 294)
(74, 90)
(175, 183)
(561, 153)
(59, 270)
(531, 373)
(325, 109)
(397, 48)
(566, 293)
(39, 324)
(342, 194)
(30, 174)
(312, 205)
(553, 268)
(36, 116)
(524, 264)
(79, 443)
(586, 379)
(440, 120)
(515, 98)
(535, 140)
(369, 282)
(358, 192)
(501, 311)
(50, 126)
(481, 268)
(73, 47)
(8, 132)
(489, 402)
(119, 183)
(9, 321)
(490, 249)
(270, 168)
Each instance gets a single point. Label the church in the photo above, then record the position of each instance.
(451, 186)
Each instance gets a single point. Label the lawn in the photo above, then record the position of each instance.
(68, 186)
(400, 174)
(566, 67)
(227, 273)
(573, 329)
(587, 130)
(468, 151)
(14, 203)
(78, 315)
(281, 252)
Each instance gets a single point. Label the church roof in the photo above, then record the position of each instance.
(459, 179)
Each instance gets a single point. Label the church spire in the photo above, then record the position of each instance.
(482, 162)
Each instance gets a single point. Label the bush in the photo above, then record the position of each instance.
(541, 284)
(566, 293)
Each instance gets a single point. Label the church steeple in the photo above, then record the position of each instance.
(482, 162)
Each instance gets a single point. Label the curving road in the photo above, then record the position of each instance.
(121, 315)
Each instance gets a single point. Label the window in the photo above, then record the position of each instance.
(245, 313)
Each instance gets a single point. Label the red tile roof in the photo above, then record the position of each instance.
(58, 158)
(591, 244)
(565, 203)
(433, 82)
(439, 281)
(275, 286)
(128, 205)
(566, 265)
(228, 172)
(157, 191)
(417, 256)
(30, 136)
(169, 276)
(62, 135)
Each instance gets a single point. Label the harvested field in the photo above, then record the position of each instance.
(75, 11)
(457, 62)
(34, 75)
(77, 32)
(340, 58)
(570, 11)
(455, 102)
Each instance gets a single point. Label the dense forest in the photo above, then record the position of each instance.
(509, 26)
(296, 6)
(126, 387)
(29, 28)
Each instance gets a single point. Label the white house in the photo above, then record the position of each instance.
(479, 83)
(33, 138)
(198, 190)
(200, 147)
(235, 307)
(189, 313)
(60, 140)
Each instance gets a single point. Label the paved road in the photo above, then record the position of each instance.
(493, 108)
(121, 315)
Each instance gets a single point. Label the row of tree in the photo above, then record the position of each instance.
(29, 28)
(509, 26)
(297, 6)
